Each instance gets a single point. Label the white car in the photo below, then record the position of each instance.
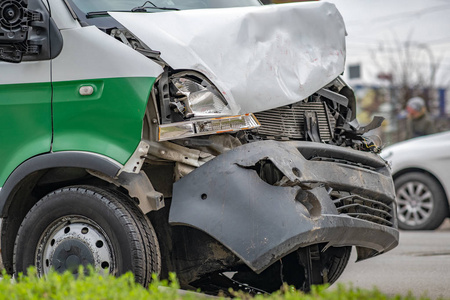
(421, 172)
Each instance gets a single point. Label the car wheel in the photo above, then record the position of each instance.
(421, 202)
(85, 225)
(325, 267)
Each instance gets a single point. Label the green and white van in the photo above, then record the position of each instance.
(211, 138)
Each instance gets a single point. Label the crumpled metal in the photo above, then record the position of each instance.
(258, 57)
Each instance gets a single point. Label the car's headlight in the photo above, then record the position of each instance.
(204, 110)
(200, 99)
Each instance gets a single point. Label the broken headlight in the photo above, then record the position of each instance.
(198, 98)
(203, 109)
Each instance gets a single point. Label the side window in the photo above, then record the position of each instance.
(26, 30)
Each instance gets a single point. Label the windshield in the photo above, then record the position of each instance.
(87, 6)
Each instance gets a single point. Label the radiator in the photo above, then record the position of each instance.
(289, 121)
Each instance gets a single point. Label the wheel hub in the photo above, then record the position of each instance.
(70, 254)
(415, 203)
(72, 242)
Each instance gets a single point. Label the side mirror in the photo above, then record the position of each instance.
(24, 27)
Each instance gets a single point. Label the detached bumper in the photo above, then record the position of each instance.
(330, 195)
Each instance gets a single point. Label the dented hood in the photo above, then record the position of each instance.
(258, 57)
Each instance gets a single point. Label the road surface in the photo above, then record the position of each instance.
(420, 264)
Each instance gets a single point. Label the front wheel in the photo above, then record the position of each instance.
(421, 202)
(86, 225)
(312, 265)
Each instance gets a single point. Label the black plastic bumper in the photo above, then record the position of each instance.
(262, 223)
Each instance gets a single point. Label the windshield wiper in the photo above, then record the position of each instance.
(92, 14)
(143, 8)
(136, 9)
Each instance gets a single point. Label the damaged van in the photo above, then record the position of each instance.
(211, 138)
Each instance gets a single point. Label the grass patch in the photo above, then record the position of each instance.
(104, 287)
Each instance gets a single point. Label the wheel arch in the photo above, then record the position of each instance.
(21, 190)
(429, 173)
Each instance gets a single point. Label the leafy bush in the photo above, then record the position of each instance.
(65, 286)
(94, 286)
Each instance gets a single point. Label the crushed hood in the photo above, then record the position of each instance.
(258, 57)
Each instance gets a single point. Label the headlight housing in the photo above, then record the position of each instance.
(201, 109)
(200, 99)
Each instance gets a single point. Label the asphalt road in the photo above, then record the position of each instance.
(420, 264)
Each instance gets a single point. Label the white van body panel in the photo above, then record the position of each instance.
(25, 72)
(89, 53)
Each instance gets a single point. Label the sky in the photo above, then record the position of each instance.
(377, 29)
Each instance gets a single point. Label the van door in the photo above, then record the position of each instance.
(25, 83)
(25, 113)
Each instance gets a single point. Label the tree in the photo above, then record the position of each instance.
(411, 67)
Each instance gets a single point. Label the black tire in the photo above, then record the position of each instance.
(337, 264)
(421, 202)
(84, 225)
(327, 267)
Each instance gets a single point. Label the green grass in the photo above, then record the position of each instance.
(104, 287)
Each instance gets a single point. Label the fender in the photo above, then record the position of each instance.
(78, 159)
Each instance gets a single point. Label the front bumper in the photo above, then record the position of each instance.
(331, 195)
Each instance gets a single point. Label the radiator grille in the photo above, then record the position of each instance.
(363, 208)
(289, 121)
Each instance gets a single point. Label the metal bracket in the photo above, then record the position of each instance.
(173, 152)
(338, 98)
(312, 130)
(140, 187)
(135, 162)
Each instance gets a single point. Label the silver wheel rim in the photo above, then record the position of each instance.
(415, 203)
(72, 241)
